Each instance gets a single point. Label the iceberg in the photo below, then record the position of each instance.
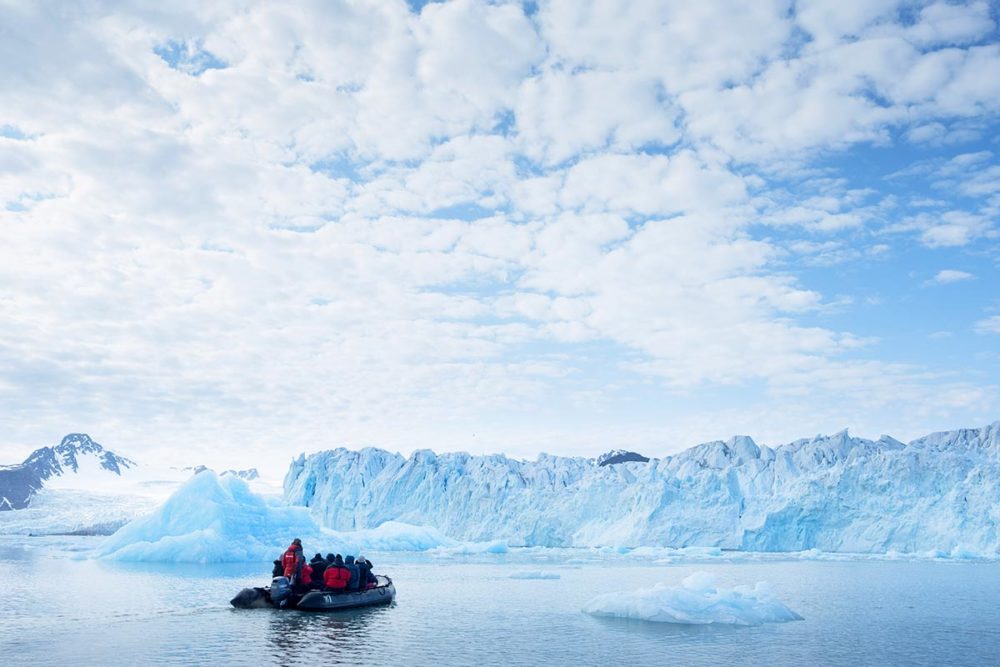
(211, 519)
(392, 536)
(831, 494)
(696, 601)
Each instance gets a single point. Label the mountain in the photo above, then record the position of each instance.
(249, 475)
(77, 454)
(834, 493)
(620, 456)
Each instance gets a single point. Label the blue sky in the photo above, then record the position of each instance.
(234, 233)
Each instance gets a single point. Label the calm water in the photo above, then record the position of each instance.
(62, 611)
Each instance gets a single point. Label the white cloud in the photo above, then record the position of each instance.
(386, 227)
(990, 325)
(948, 23)
(562, 114)
(948, 276)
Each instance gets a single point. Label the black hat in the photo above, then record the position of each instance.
(318, 556)
(330, 557)
(297, 541)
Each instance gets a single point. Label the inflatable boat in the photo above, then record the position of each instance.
(279, 596)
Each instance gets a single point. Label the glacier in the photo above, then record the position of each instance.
(696, 601)
(937, 495)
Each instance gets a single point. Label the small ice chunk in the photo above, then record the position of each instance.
(697, 601)
(534, 574)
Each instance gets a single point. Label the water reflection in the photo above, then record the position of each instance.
(327, 634)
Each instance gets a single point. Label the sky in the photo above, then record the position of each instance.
(235, 231)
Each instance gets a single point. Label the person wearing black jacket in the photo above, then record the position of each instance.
(318, 564)
(278, 570)
(372, 579)
(352, 585)
(363, 572)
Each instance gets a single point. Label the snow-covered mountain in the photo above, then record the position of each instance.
(834, 493)
(248, 475)
(76, 456)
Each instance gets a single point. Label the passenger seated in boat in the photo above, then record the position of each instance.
(305, 581)
(372, 579)
(318, 565)
(336, 576)
(363, 572)
(349, 563)
(278, 570)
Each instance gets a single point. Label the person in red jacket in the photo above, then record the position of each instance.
(292, 561)
(336, 576)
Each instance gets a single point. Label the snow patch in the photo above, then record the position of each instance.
(696, 601)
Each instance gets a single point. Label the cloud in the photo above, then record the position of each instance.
(990, 325)
(948, 276)
(269, 227)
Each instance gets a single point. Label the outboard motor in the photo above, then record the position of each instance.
(281, 589)
(251, 598)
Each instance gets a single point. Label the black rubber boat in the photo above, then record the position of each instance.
(278, 596)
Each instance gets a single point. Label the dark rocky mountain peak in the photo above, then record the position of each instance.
(620, 456)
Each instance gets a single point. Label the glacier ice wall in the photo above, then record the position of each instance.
(833, 493)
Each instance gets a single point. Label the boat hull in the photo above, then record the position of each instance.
(382, 594)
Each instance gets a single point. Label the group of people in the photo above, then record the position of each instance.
(333, 573)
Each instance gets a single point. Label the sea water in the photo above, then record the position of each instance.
(60, 609)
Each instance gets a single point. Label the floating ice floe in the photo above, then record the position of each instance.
(534, 574)
(454, 548)
(696, 601)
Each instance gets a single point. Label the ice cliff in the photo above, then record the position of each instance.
(939, 493)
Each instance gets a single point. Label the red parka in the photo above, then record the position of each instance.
(336, 577)
(293, 560)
